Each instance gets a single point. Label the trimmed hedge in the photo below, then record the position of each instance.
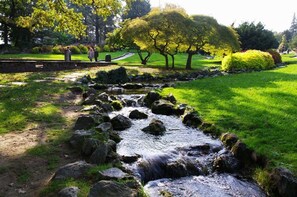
(247, 61)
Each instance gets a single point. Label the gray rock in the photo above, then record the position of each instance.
(90, 100)
(171, 98)
(156, 127)
(229, 139)
(90, 145)
(107, 107)
(100, 154)
(112, 174)
(150, 98)
(192, 119)
(69, 192)
(163, 107)
(121, 122)
(84, 122)
(111, 189)
(78, 138)
(132, 86)
(283, 183)
(135, 114)
(103, 97)
(73, 170)
(105, 127)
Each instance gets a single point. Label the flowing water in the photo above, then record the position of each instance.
(179, 161)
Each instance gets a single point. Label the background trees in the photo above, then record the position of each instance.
(255, 36)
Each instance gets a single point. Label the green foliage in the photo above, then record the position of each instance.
(246, 61)
(46, 49)
(56, 185)
(277, 58)
(260, 107)
(83, 49)
(57, 49)
(36, 50)
(106, 48)
(75, 50)
(256, 37)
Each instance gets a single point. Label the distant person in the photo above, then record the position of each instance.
(67, 55)
(91, 54)
(96, 54)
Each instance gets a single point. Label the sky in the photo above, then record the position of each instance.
(275, 15)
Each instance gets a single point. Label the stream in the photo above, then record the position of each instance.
(179, 162)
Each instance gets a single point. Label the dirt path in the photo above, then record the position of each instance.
(25, 175)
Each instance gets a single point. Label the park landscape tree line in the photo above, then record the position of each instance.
(166, 31)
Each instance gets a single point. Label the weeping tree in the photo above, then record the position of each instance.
(204, 33)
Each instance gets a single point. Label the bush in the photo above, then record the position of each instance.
(46, 49)
(58, 49)
(75, 50)
(36, 50)
(246, 61)
(275, 55)
(83, 49)
(106, 48)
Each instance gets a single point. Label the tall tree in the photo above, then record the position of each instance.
(138, 8)
(256, 37)
(293, 28)
(59, 14)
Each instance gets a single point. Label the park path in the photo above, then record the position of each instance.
(126, 55)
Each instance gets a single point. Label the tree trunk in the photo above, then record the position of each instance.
(5, 35)
(189, 61)
(97, 31)
(166, 61)
(172, 64)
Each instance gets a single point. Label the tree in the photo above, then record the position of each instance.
(61, 16)
(293, 28)
(256, 37)
(204, 33)
(138, 8)
(283, 46)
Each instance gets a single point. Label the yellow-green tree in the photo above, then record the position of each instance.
(59, 15)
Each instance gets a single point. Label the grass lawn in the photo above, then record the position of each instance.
(157, 60)
(260, 107)
(82, 57)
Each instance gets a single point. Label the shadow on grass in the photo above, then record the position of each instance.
(260, 107)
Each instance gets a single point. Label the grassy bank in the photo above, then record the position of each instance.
(259, 107)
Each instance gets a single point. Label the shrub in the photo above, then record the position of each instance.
(75, 50)
(83, 49)
(249, 60)
(58, 49)
(46, 49)
(36, 50)
(106, 48)
(275, 55)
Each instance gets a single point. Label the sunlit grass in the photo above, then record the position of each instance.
(259, 107)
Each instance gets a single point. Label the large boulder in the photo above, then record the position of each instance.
(105, 127)
(74, 170)
(156, 127)
(115, 76)
(100, 154)
(150, 98)
(226, 163)
(135, 114)
(163, 107)
(121, 123)
(90, 145)
(78, 138)
(192, 119)
(112, 174)
(85, 122)
(111, 189)
(283, 183)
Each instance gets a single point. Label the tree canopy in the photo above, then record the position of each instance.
(255, 36)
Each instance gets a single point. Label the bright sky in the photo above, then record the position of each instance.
(275, 15)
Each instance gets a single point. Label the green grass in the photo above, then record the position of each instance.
(157, 60)
(82, 57)
(259, 107)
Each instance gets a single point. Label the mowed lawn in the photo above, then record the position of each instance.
(260, 107)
